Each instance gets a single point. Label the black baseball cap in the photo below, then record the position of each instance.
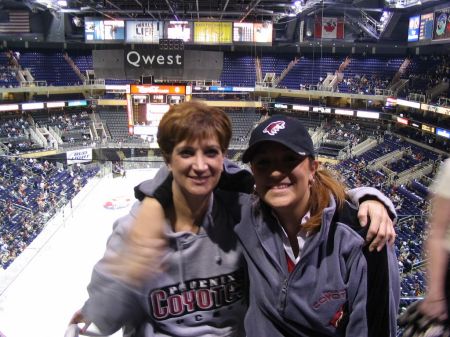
(282, 129)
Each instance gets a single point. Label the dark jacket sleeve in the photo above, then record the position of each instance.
(373, 284)
(382, 292)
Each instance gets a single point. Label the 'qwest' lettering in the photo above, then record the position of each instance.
(137, 59)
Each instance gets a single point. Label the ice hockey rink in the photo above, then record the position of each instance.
(46, 284)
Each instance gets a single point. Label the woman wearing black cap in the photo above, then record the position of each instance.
(310, 272)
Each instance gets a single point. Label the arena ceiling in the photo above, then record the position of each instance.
(364, 17)
(239, 10)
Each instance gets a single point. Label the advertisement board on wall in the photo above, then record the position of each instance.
(144, 31)
(262, 32)
(410, 104)
(367, 114)
(9, 107)
(79, 156)
(213, 32)
(253, 32)
(413, 28)
(443, 133)
(179, 30)
(242, 32)
(158, 89)
(426, 26)
(344, 112)
(427, 128)
(97, 30)
(441, 30)
(435, 108)
(402, 120)
(32, 106)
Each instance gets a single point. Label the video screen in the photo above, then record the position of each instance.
(426, 26)
(179, 30)
(252, 32)
(144, 31)
(243, 32)
(146, 104)
(443, 133)
(413, 28)
(262, 32)
(104, 30)
(213, 32)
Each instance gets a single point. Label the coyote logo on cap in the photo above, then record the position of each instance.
(273, 128)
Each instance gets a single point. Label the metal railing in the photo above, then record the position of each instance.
(99, 81)
(33, 83)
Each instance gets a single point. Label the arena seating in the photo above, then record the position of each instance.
(116, 121)
(309, 71)
(31, 192)
(411, 205)
(83, 60)
(238, 71)
(425, 72)
(50, 67)
(243, 121)
(7, 74)
(363, 75)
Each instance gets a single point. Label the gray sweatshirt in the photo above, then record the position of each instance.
(202, 292)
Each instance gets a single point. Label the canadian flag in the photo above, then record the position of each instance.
(329, 28)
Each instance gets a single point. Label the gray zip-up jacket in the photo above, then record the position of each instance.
(202, 291)
(337, 288)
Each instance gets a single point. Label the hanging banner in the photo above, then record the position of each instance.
(329, 28)
(14, 21)
(441, 29)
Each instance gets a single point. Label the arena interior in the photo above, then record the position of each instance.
(84, 84)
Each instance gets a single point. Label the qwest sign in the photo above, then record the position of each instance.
(153, 58)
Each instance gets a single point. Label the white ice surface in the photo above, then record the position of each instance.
(46, 284)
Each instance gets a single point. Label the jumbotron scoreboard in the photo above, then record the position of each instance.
(147, 103)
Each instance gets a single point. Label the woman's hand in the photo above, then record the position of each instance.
(79, 318)
(434, 307)
(381, 229)
(144, 246)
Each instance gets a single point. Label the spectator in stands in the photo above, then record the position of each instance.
(436, 303)
(193, 138)
(301, 211)
(201, 249)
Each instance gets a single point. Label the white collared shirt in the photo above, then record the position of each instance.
(301, 237)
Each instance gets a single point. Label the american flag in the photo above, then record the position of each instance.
(14, 22)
